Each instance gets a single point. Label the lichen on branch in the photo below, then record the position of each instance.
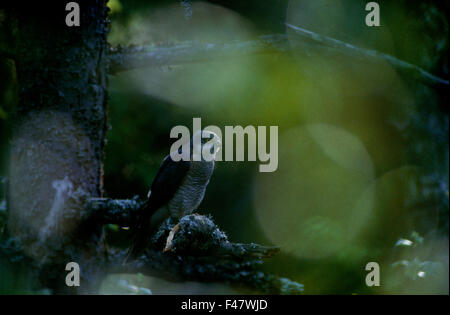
(133, 57)
(197, 251)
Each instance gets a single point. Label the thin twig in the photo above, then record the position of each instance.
(368, 54)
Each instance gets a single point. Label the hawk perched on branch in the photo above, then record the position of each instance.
(177, 190)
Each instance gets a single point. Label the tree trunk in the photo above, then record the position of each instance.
(57, 147)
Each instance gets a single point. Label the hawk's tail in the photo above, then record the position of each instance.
(144, 232)
(140, 242)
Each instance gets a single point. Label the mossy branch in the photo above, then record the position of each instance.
(133, 57)
(197, 251)
(115, 211)
(200, 251)
(205, 269)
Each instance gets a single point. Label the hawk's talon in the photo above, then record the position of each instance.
(169, 240)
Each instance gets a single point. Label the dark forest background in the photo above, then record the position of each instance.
(363, 150)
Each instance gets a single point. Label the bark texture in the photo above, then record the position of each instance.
(57, 147)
